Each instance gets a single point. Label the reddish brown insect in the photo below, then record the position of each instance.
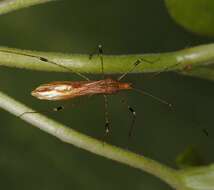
(64, 90)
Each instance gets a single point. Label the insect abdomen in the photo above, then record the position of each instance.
(54, 91)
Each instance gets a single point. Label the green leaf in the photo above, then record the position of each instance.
(190, 157)
(199, 178)
(194, 15)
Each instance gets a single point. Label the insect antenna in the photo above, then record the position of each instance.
(41, 58)
(153, 97)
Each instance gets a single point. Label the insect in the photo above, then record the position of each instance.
(65, 90)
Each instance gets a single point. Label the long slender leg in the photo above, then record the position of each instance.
(133, 120)
(132, 111)
(56, 109)
(141, 60)
(107, 122)
(100, 54)
(100, 50)
(46, 60)
(136, 63)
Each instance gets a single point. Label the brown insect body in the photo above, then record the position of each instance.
(62, 90)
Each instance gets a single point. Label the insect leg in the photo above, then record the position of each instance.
(141, 60)
(107, 122)
(56, 109)
(100, 50)
(41, 58)
(136, 63)
(100, 54)
(132, 111)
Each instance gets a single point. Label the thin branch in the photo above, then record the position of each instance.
(12, 5)
(90, 144)
(201, 72)
(178, 61)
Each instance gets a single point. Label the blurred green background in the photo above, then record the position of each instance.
(32, 159)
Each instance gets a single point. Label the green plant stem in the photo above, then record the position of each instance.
(201, 72)
(191, 58)
(71, 136)
(11, 5)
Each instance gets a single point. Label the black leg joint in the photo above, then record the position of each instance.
(132, 110)
(137, 62)
(43, 59)
(100, 49)
(107, 127)
(58, 108)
